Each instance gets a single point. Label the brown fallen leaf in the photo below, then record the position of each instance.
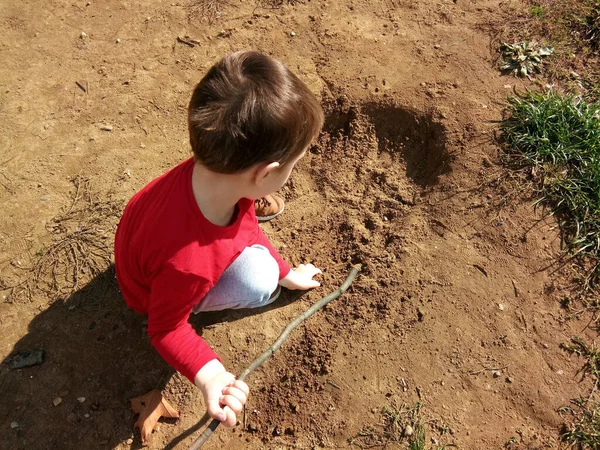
(151, 407)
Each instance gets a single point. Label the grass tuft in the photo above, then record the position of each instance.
(559, 138)
(400, 425)
(592, 25)
(584, 430)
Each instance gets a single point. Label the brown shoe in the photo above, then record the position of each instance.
(268, 207)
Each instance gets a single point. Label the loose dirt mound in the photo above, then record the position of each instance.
(456, 307)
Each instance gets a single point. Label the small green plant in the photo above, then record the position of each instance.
(523, 58)
(536, 10)
(558, 137)
(584, 431)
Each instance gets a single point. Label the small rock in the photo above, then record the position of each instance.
(81, 399)
(436, 46)
(500, 306)
(45, 198)
(509, 380)
(118, 41)
(507, 86)
(496, 373)
(408, 430)
(560, 372)
(72, 418)
(83, 35)
(129, 441)
(106, 127)
(293, 33)
(86, 415)
(57, 401)
(14, 424)
(25, 359)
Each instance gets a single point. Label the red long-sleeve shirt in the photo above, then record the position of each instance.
(168, 256)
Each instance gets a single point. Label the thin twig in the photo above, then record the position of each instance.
(485, 369)
(273, 348)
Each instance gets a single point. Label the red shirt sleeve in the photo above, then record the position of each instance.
(262, 239)
(173, 294)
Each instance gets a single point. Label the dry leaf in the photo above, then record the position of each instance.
(151, 407)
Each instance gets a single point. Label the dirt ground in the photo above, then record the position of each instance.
(458, 273)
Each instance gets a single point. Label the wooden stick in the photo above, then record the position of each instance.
(273, 348)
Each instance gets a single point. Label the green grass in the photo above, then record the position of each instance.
(559, 138)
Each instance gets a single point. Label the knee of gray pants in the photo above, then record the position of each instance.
(247, 283)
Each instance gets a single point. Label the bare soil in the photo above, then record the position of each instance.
(458, 302)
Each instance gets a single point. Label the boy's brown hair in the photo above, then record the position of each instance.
(249, 108)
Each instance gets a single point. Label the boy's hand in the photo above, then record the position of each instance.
(301, 278)
(224, 396)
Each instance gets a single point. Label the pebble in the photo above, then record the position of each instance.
(129, 441)
(500, 306)
(118, 41)
(83, 35)
(436, 46)
(81, 399)
(14, 424)
(86, 415)
(45, 198)
(57, 401)
(72, 418)
(509, 380)
(408, 431)
(496, 373)
(293, 33)
(106, 127)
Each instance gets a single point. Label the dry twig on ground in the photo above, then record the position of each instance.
(81, 245)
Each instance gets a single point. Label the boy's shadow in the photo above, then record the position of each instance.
(97, 357)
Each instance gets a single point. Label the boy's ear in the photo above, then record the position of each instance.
(263, 171)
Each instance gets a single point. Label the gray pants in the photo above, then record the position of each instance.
(247, 283)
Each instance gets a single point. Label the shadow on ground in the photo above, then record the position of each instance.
(95, 348)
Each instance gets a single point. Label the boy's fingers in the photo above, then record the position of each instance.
(231, 418)
(237, 393)
(242, 386)
(231, 401)
(215, 411)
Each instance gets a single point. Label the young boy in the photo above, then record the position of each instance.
(190, 240)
